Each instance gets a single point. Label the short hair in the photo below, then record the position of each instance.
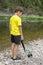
(19, 9)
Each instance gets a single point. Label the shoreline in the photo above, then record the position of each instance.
(35, 46)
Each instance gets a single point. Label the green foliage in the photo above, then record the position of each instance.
(36, 5)
(5, 3)
(25, 3)
(29, 17)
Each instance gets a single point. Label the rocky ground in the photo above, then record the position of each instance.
(36, 48)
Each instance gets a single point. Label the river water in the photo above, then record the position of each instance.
(31, 31)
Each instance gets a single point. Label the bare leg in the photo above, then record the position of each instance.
(12, 49)
(16, 50)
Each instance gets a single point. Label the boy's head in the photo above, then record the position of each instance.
(19, 11)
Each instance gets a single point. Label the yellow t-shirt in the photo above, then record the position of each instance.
(15, 22)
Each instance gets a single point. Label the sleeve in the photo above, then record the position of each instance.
(19, 22)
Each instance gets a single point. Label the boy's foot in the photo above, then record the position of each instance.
(17, 58)
(11, 57)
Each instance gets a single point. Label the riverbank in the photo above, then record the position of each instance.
(35, 46)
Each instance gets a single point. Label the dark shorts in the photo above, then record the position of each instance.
(16, 39)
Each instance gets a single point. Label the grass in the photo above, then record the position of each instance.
(28, 17)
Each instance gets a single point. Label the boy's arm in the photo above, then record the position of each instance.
(20, 28)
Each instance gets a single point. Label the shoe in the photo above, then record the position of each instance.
(11, 57)
(17, 58)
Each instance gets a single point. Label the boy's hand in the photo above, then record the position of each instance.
(22, 38)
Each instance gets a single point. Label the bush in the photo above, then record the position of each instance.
(29, 17)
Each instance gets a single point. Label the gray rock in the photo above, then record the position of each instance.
(36, 48)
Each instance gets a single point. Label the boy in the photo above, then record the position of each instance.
(16, 32)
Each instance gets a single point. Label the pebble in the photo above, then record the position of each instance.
(35, 47)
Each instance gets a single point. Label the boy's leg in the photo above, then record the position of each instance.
(12, 49)
(15, 45)
(16, 50)
(12, 46)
